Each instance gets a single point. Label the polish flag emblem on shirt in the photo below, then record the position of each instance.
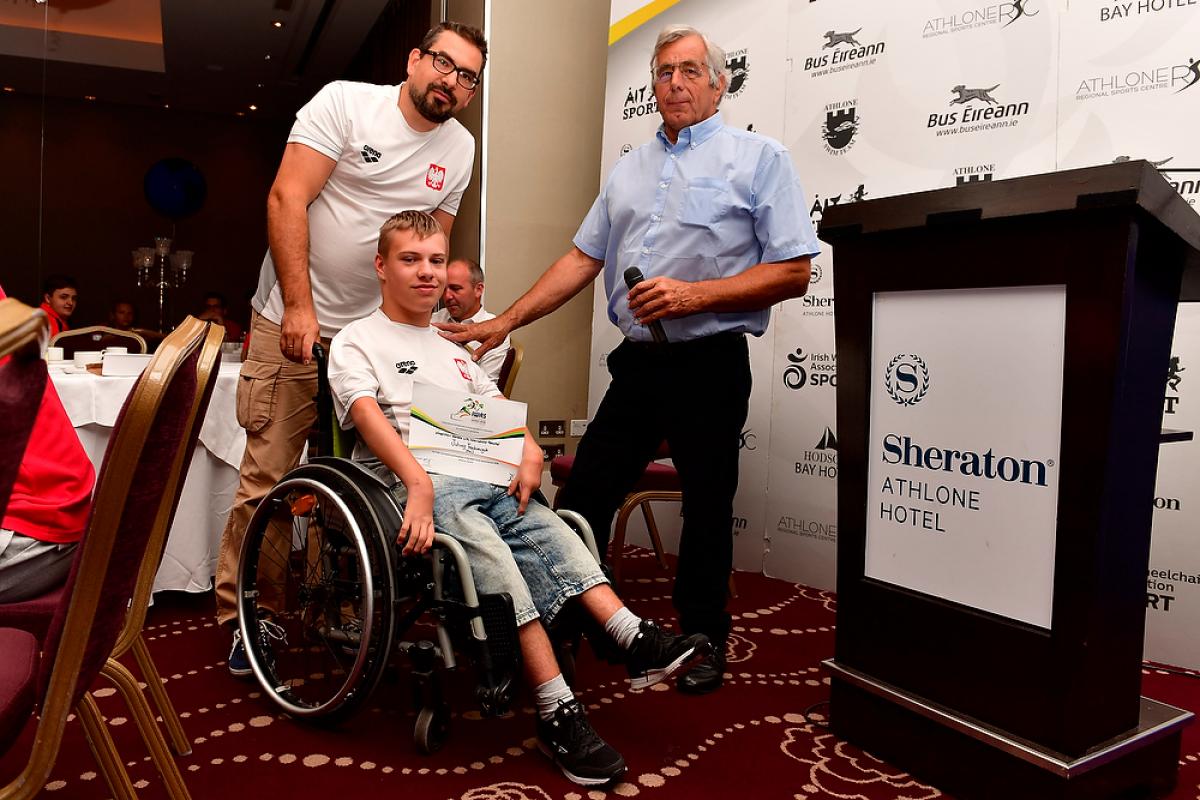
(462, 369)
(435, 177)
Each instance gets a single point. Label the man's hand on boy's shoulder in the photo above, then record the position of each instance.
(489, 334)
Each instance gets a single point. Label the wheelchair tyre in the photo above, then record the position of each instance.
(331, 590)
(431, 729)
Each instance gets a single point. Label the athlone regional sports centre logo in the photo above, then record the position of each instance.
(1176, 78)
(841, 126)
(906, 379)
(1002, 14)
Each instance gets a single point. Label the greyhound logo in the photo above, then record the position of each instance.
(1155, 164)
(833, 39)
(1018, 7)
(966, 95)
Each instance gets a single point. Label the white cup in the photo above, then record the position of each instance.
(54, 354)
(116, 350)
(85, 357)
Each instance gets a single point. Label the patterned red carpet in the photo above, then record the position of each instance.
(749, 740)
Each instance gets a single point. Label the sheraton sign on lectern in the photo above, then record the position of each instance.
(1003, 351)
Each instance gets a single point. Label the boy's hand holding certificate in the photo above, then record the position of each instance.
(466, 435)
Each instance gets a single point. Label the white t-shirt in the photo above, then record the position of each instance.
(383, 167)
(381, 359)
(493, 359)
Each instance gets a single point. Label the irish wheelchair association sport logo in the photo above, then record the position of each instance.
(906, 379)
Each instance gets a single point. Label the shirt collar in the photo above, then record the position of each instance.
(693, 135)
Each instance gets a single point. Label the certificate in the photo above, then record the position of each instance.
(466, 435)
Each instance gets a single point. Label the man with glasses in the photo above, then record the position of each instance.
(356, 154)
(714, 222)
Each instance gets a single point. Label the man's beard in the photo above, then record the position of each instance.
(427, 106)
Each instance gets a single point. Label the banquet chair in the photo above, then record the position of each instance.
(507, 376)
(97, 337)
(54, 678)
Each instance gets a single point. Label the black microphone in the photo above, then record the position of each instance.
(633, 276)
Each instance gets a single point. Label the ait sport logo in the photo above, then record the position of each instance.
(906, 379)
(738, 66)
(841, 126)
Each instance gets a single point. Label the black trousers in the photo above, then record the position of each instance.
(695, 395)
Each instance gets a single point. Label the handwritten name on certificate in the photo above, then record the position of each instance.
(466, 435)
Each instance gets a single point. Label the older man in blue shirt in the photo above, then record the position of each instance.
(715, 220)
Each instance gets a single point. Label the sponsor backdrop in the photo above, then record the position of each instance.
(874, 99)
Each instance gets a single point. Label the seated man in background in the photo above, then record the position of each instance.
(463, 301)
(59, 296)
(49, 507)
(122, 315)
(216, 310)
(514, 546)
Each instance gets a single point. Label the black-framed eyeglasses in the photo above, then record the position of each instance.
(445, 65)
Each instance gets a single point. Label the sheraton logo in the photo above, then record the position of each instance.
(906, 379)
(901, 449)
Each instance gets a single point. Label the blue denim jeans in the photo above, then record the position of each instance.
(535, 557)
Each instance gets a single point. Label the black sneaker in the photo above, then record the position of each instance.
(656, 655)
(568, 739)
(239, 662)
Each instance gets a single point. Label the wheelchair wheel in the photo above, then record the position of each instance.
(431, 729)
(318, 555)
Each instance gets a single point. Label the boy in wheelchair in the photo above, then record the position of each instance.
(513, 545)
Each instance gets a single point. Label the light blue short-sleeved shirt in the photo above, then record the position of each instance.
(712, 205)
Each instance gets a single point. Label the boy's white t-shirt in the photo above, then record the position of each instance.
(383, 167)
(381, 359)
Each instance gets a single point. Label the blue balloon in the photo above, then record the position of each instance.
(175, 188)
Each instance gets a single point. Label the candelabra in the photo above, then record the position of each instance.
(157, 267)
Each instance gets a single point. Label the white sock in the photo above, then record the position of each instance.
(623, 627)
(550, 694)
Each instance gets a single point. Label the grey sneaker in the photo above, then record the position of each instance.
(656, 655)
(569, 740)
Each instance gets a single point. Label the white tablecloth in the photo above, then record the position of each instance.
(189, 563)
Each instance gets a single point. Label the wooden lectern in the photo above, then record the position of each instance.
(982, 678)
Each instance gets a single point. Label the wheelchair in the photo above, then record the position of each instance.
(320, 549)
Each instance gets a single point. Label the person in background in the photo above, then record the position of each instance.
(463, 301)
(356, 153)
(709, 222)
(59, 296)
(49, 507)
(216, 310)
(122, 315)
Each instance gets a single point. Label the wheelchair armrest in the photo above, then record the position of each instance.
(576, 521)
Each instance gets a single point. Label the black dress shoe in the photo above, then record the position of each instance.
(705, 677)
